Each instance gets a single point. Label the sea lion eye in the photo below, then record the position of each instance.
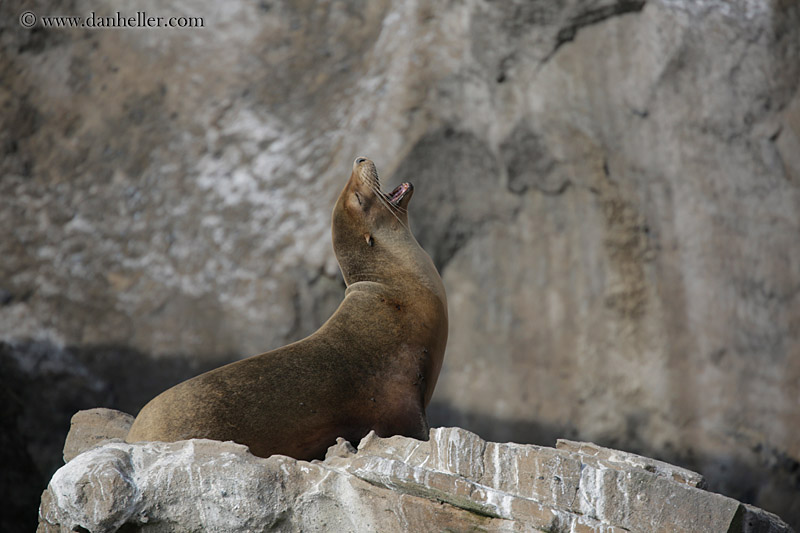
(360, 160)
(358, 197)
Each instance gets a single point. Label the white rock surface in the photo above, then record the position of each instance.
(454, 482)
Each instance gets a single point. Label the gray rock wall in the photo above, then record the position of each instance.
(610, 189)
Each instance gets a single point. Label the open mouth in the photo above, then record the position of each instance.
(397, 195)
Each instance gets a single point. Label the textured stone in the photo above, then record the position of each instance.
(395, 484)
(94, 426)
(609, 187)
(597, 455)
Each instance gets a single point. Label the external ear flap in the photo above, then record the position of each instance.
(369, 240)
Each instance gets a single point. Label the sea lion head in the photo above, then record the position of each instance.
(370, 227)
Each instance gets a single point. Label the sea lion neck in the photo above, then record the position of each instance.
(365, 286)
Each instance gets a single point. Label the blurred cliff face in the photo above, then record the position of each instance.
(610, 190)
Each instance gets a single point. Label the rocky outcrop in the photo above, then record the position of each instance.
(610, 189)
(455, 482)
(93, 427)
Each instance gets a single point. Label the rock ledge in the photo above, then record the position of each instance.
(456, 481)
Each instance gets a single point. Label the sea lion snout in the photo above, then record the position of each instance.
(361, 163)
(366, 171)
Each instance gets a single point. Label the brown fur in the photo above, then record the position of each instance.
(372, 366)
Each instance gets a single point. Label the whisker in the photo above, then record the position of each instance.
(394, 206)
(400, 209)
(373, 182)
(387, 204)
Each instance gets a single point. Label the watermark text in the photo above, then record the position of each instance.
(140, 19)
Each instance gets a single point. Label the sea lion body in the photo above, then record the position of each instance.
(372, 366)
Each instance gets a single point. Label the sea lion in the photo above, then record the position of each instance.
(372, 366)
